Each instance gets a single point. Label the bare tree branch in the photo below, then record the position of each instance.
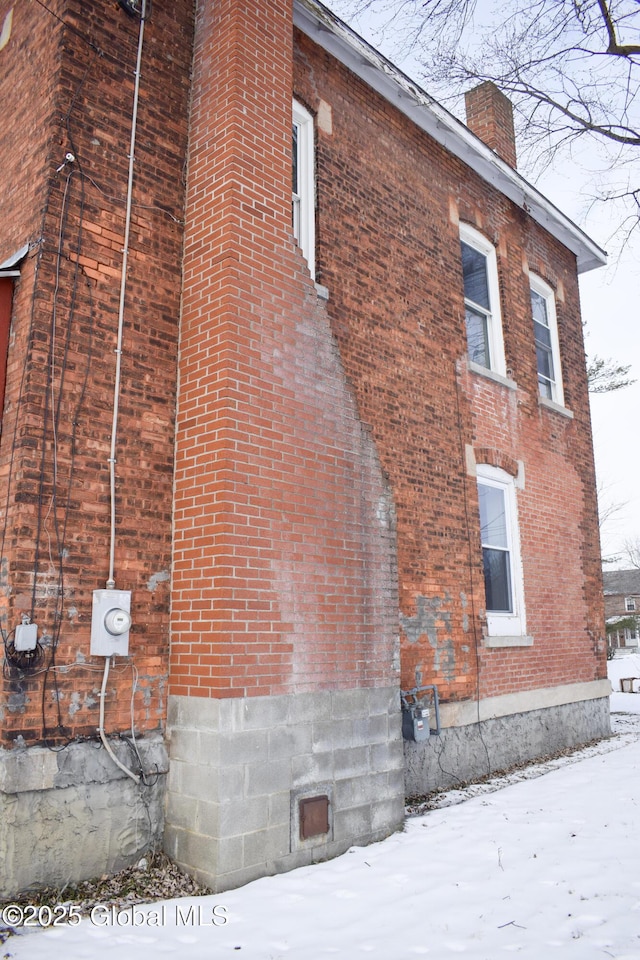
(571, 68)
(632, 551)
(555, 52)
(615, 48)
(606, 376)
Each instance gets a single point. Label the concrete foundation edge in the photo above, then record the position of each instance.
(473, 751)
(71, 815)
(508, 704)
(239, 769)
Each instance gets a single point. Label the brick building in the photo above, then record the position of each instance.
(622, 608)
(320, 449)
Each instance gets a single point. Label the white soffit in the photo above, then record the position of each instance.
(334, 36)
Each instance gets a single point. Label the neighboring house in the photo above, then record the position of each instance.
(317, 449)
(622, 608)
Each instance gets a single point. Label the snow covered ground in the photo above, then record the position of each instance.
(541, 864)
(626, 666)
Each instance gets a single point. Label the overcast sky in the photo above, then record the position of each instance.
(610, 307)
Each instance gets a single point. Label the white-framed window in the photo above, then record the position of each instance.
(485, 345)
(631, 637)
(303, 184)
(630, 604)
(502, 563)
(545, 331)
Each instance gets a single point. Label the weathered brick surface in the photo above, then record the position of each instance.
(299, 425)
(68, 87)
(389, 205)
(283, 579)
(6, 305)
(490, 116)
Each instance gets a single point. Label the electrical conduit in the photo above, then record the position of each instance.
(116, 390)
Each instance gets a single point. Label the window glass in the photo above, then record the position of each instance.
(544, 345)
(477, 337)
(296, 159)
(495, 548)
(481, 300)
(545, 332)
(493, 520)
(497, 582)
(303, 183)
(295, 183)
(501, 560)
(474, 271)
(476, 294)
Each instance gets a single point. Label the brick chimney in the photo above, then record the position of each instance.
(490, 117)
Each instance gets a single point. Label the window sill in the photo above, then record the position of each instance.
(323, 292)
(492, 375)
(522, 641)
(556, 407)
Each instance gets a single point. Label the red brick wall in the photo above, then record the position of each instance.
(70, 89)
(615, 605)
(289, 416)
(490, 116)
(6, 299)
(283, 578)
(389, 203)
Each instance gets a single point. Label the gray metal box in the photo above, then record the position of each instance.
(415, 722)
(110, 622)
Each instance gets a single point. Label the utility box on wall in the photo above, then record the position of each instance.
(416, 713)
(415, 722)
(110, 623)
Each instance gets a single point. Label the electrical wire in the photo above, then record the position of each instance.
(25, 366)
(18, 664)
(76, 665)
(90, 43)
(465, 499)
(101, 733)
(50, 399)
(89, 667)
(137, 205)
(123, 289)
(51, 374)
(29, 664)
(56, 410)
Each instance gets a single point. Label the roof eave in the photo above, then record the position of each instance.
(330, 33)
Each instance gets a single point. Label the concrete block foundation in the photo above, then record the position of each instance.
(240, 767)
(474, 750)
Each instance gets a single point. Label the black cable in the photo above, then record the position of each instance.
(143, 783)
(25, 366)
(49, 387)
(465, 500)
(60, 531)
(55, 413)
(26, 661)
(30, 345)
(90, 43)
(53, 405)
(138, 763)
(448, 773)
